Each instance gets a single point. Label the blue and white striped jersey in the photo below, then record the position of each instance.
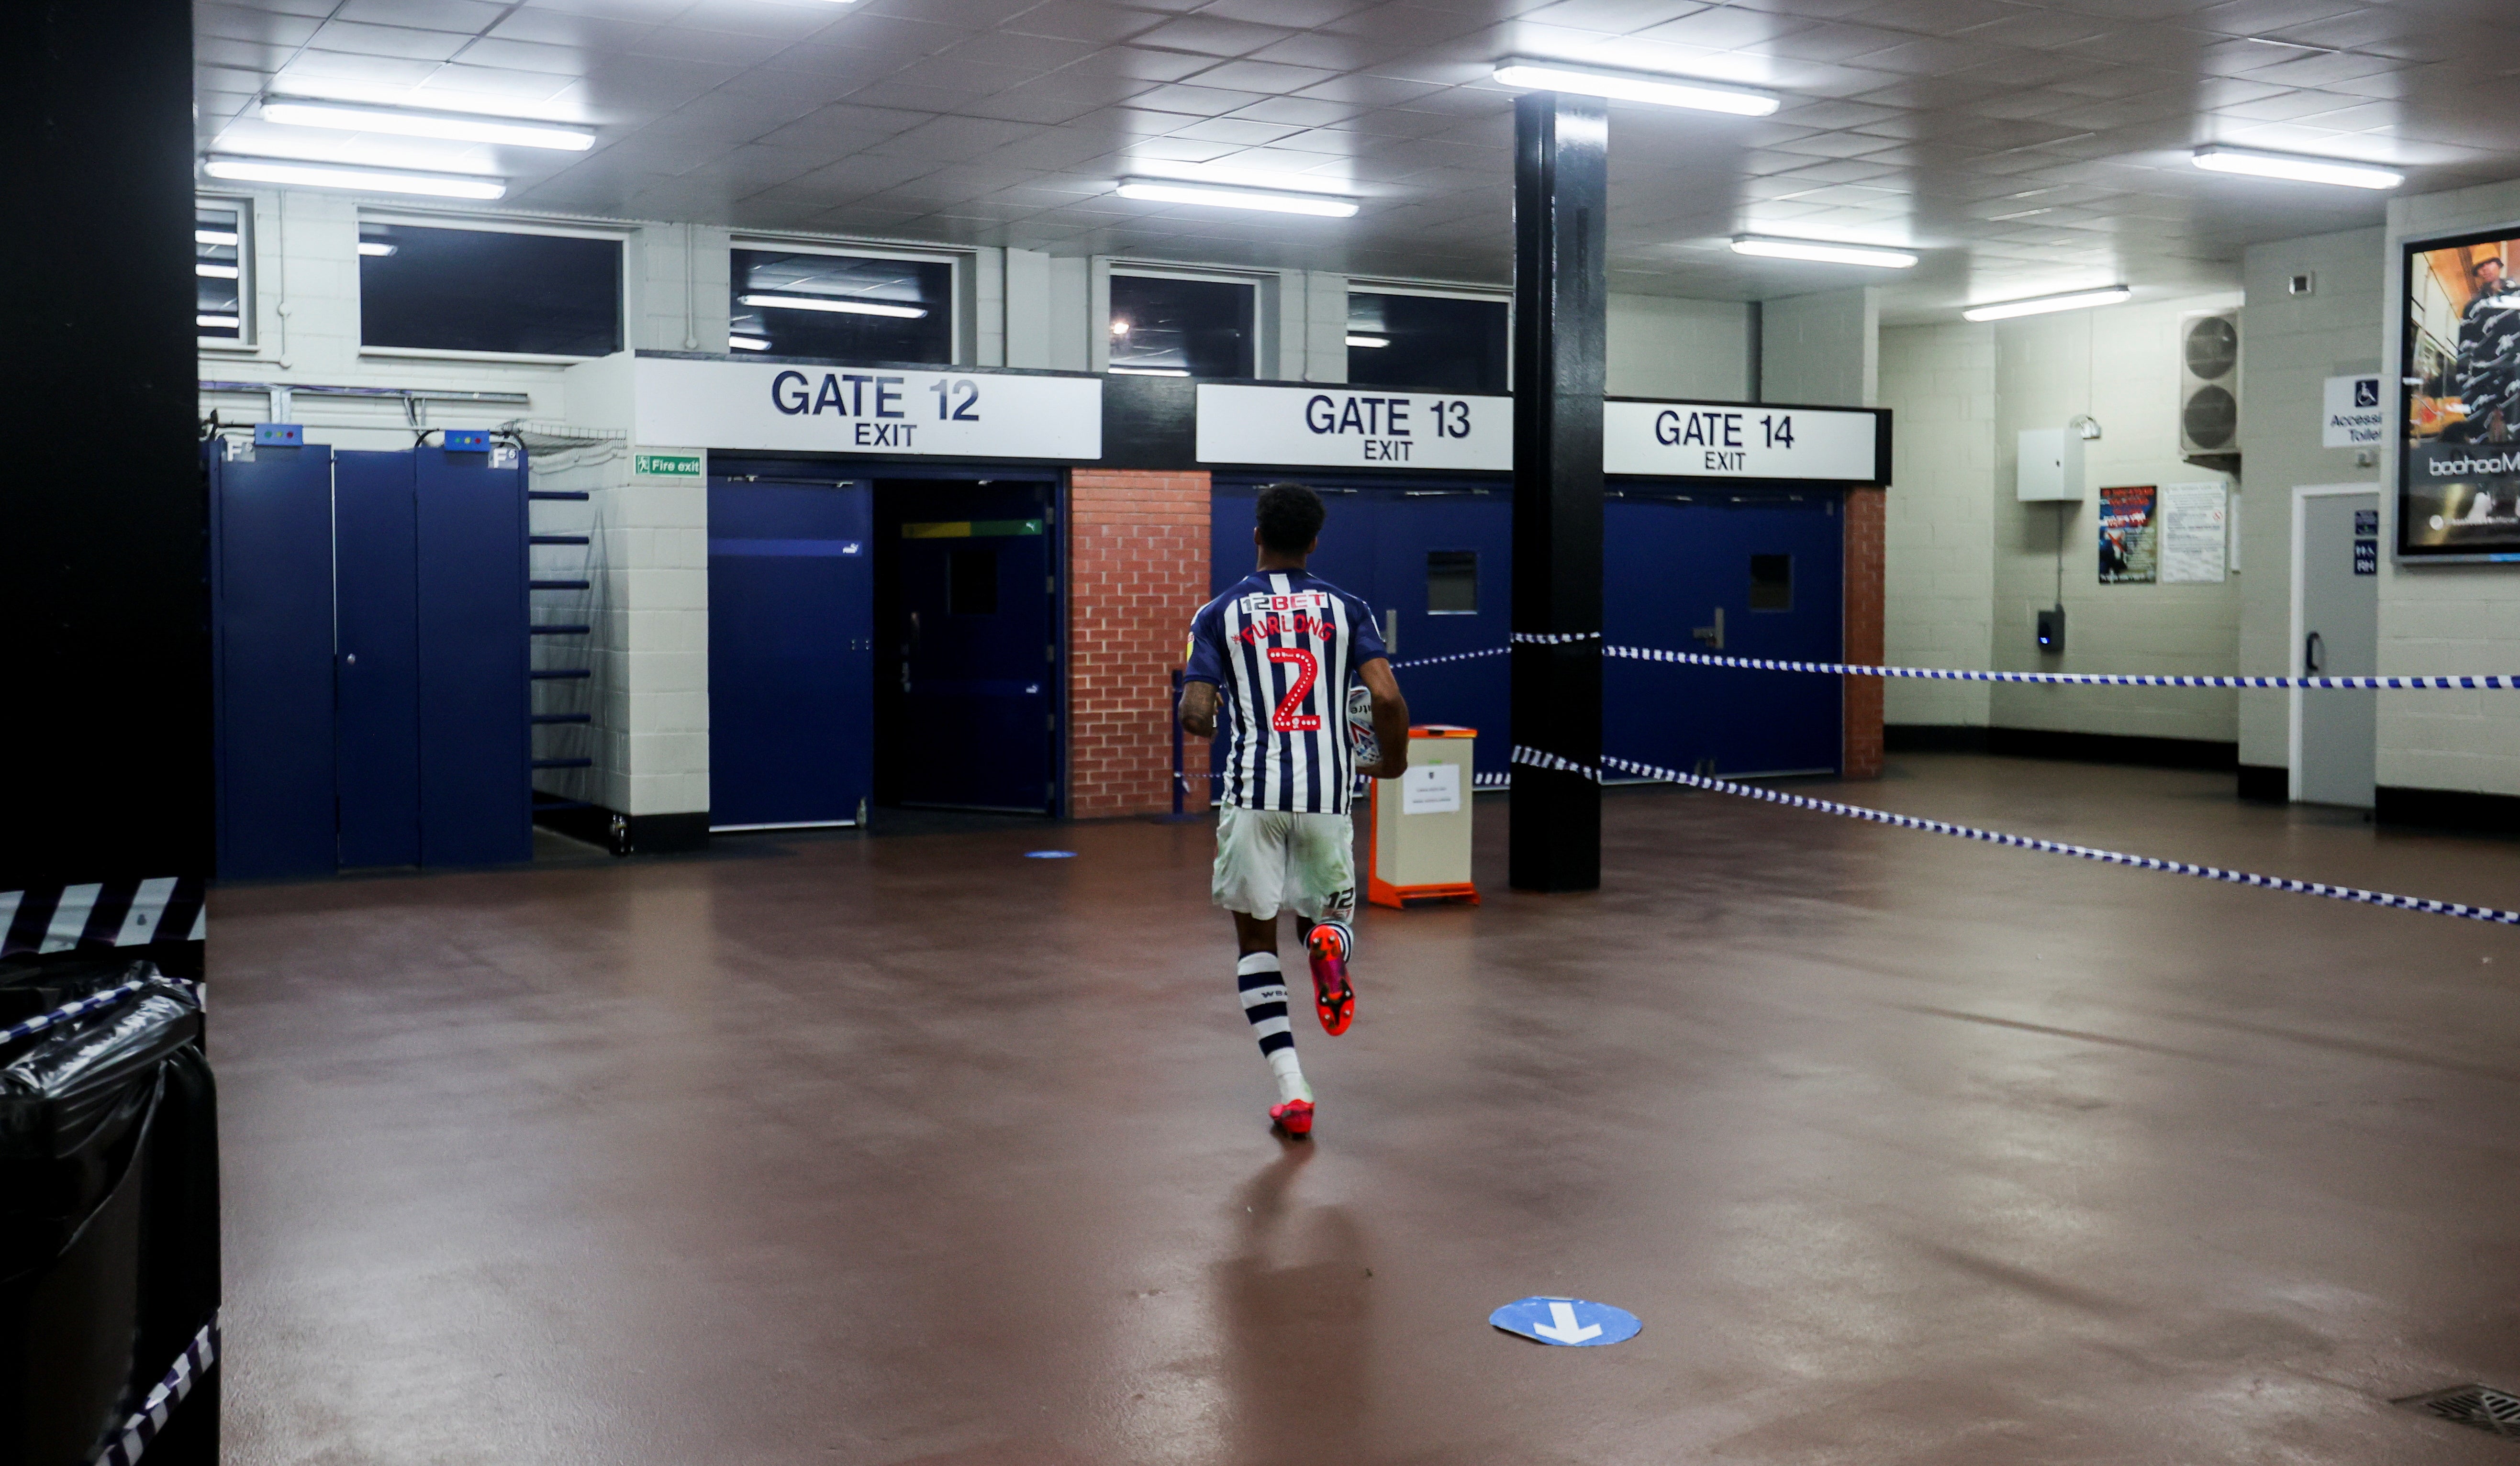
(1282, 647)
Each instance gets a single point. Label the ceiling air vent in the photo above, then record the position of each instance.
(2209, 386)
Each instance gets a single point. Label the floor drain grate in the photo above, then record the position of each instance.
(2479, 1405)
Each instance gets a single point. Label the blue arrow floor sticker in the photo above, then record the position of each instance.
(1566, 1321)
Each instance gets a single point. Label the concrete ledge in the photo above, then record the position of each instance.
(2263, 784)
(628, 834)
(2447, 809)
(2048, 743)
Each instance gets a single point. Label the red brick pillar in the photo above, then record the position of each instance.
(1866, 512)
(1137, 572)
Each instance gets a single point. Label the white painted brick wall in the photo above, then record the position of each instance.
(2289, 347)
(2446, 618)
(1937, 540)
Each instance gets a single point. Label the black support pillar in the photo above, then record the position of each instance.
(103, 597)
(1560, 298)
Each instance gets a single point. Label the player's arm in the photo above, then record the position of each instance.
(1198, 709)
(1390, 718)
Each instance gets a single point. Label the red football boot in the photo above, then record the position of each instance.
(1332, 997)
(1294, 1117)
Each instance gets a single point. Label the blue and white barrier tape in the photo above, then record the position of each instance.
(1538, 760)
(1457, 656)
(2056, 847)
(1520, 638)
(68, 1011)
(2423, 683)
(2077, 679)
(144, 1423)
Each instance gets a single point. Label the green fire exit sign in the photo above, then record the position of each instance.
(665, 464)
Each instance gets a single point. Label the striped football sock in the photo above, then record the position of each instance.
(1263, 986)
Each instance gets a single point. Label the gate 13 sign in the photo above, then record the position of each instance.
(765, 404)
(1715, 440)
(1343, 427)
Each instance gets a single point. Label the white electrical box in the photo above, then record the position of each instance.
(2050, 467)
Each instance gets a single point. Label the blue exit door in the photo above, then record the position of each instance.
(1434, 559)
(791, 654)
(1748, 575)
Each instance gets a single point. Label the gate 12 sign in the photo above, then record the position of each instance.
(1363, 427)
(1730, 440)
(816, 408)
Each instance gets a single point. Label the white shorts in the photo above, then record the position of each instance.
(1270, 858)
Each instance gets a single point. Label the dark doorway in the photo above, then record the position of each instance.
(968, 675)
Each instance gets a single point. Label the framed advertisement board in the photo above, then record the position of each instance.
(2459, 399)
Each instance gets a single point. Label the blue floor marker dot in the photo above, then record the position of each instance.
(1573, 1322)
(1050, 855)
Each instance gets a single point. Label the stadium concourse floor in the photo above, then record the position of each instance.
(895, 1150)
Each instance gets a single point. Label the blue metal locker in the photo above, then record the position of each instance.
(791, 636)
(271, 587)
(376, 727)
(475, 784)
(1679, 563)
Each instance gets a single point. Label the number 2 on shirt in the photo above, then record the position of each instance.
(1308, 670)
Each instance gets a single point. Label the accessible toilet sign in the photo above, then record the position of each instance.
(811, 408)
(2351, 415)
(1730, 440)
(1354, 427)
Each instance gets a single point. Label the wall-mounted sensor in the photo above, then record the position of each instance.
(2052, 629)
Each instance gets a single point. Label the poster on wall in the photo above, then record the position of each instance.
(2128, 552)
(2458, 400)
(2193, 525)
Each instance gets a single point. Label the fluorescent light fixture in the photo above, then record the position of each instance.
(1629, 86)
(215, 323)
(365, 180)
(215, 272)
(836, 307)
(2221, 159)
(214, 237)
(747, 344)
(1147, 372)
(1267, 181)
(374, 250)
(1821, 251)
(1161, 190)
(463, 127)
(1368, 340)
(2039, 305)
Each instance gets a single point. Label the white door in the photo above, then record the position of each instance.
(2336, 633)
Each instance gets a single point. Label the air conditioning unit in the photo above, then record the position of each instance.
(2209, 386)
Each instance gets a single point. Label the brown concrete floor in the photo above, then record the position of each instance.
(1905, 1150)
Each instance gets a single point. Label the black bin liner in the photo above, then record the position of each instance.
(109, 1212)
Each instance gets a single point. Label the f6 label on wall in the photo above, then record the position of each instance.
(1732, 440)
(1344, 427)
(768, 405)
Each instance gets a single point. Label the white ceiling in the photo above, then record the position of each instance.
(2024, 147)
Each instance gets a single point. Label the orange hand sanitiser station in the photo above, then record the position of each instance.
(1419, 845)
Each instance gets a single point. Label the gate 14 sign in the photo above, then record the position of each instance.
(1715, 440)
(1342, 428)
(765, 404)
